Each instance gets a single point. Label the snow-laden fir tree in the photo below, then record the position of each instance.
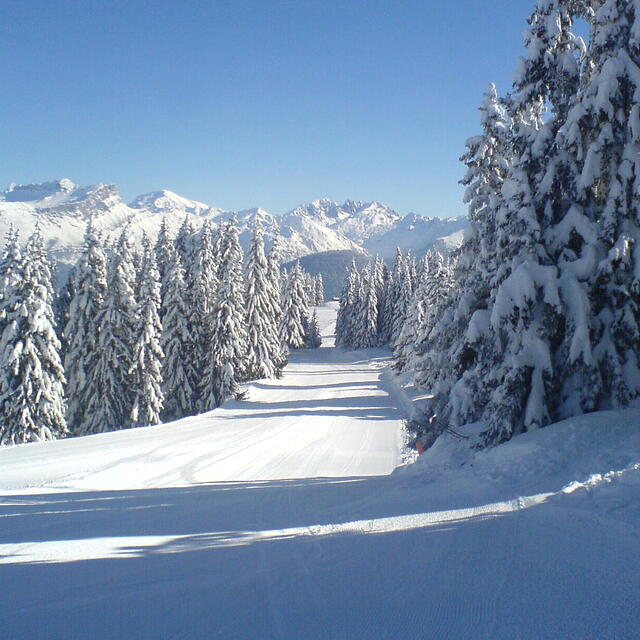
(203, 288)
(32, 403)
(146, 370)
(180, 378)
(319, 290)
(164, 250)
(82, 330)
(528, 311)
(275, 275)
(10, 269)
(600, 258)
(109, 406)
(228, 356)
(346, 323)
(296, 310)
(264, 346)
(313, 339)
(392, 292)
(184, 242)
(61, 308)
(402, 293)
(366, 332)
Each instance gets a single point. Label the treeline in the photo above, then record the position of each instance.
(541, 320)
(145, 336)
(381, 307)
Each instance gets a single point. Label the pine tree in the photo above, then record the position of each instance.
(599, 258)
(180, 380)
(32, 381)
(164, 250)
(274, 276)
(313, 339)
(366, 334)
(10, 269)
(319, 290)
(203, 287)
(296, 310)
(387, 313)
(402, 291)
(228, 359)
(184, 242)
(109, 406)
(345, 321)
(146, 370)
(82, 330)
(264, 347)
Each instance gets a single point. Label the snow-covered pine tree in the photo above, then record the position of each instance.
(528, 311)
(392, 293)
(146, 370)
(228, 358)
(184, 242)
(296, 310)
(313, 339)
(366, 329)
(275, 282)
(109, 406)
(319, 290)
(345, 323)
(403, 292)
(32, 403)
(10, 268)
(180, 379)
(82, 330)
(600, 258)
(164, 250)
(203, 289)
(264, 346)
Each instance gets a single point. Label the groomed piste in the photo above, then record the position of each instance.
(290, 515)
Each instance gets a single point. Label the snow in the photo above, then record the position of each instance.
(280, 517)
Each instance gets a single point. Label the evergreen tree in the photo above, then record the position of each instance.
(82, 329)
(387, 313)
(10, 270)
(264, 347)
(402, 291)
(366, 334)
(180, 379)
(275, 283)
(319, 290)
(345, 321)
(164, 250)
(31, 376)
(109, 406)
(313, 339)
(203, 297)
(296, 310)
(184, 242)
(228, 359)
(146, 370)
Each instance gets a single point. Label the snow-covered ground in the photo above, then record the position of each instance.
(276, 517)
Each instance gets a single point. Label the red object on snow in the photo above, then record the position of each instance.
(419, 447)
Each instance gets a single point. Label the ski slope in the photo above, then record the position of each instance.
(282, 517)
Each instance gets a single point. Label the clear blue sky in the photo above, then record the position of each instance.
(242, 103)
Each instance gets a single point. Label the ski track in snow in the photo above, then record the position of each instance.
(276, 517)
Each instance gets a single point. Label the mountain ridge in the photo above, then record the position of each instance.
(62, 208)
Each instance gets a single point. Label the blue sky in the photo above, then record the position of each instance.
(243, 103)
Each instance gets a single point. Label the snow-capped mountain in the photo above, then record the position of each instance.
(62, 208)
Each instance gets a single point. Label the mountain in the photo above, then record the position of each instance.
(62, 209)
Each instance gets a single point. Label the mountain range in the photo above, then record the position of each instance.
(62, 208)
